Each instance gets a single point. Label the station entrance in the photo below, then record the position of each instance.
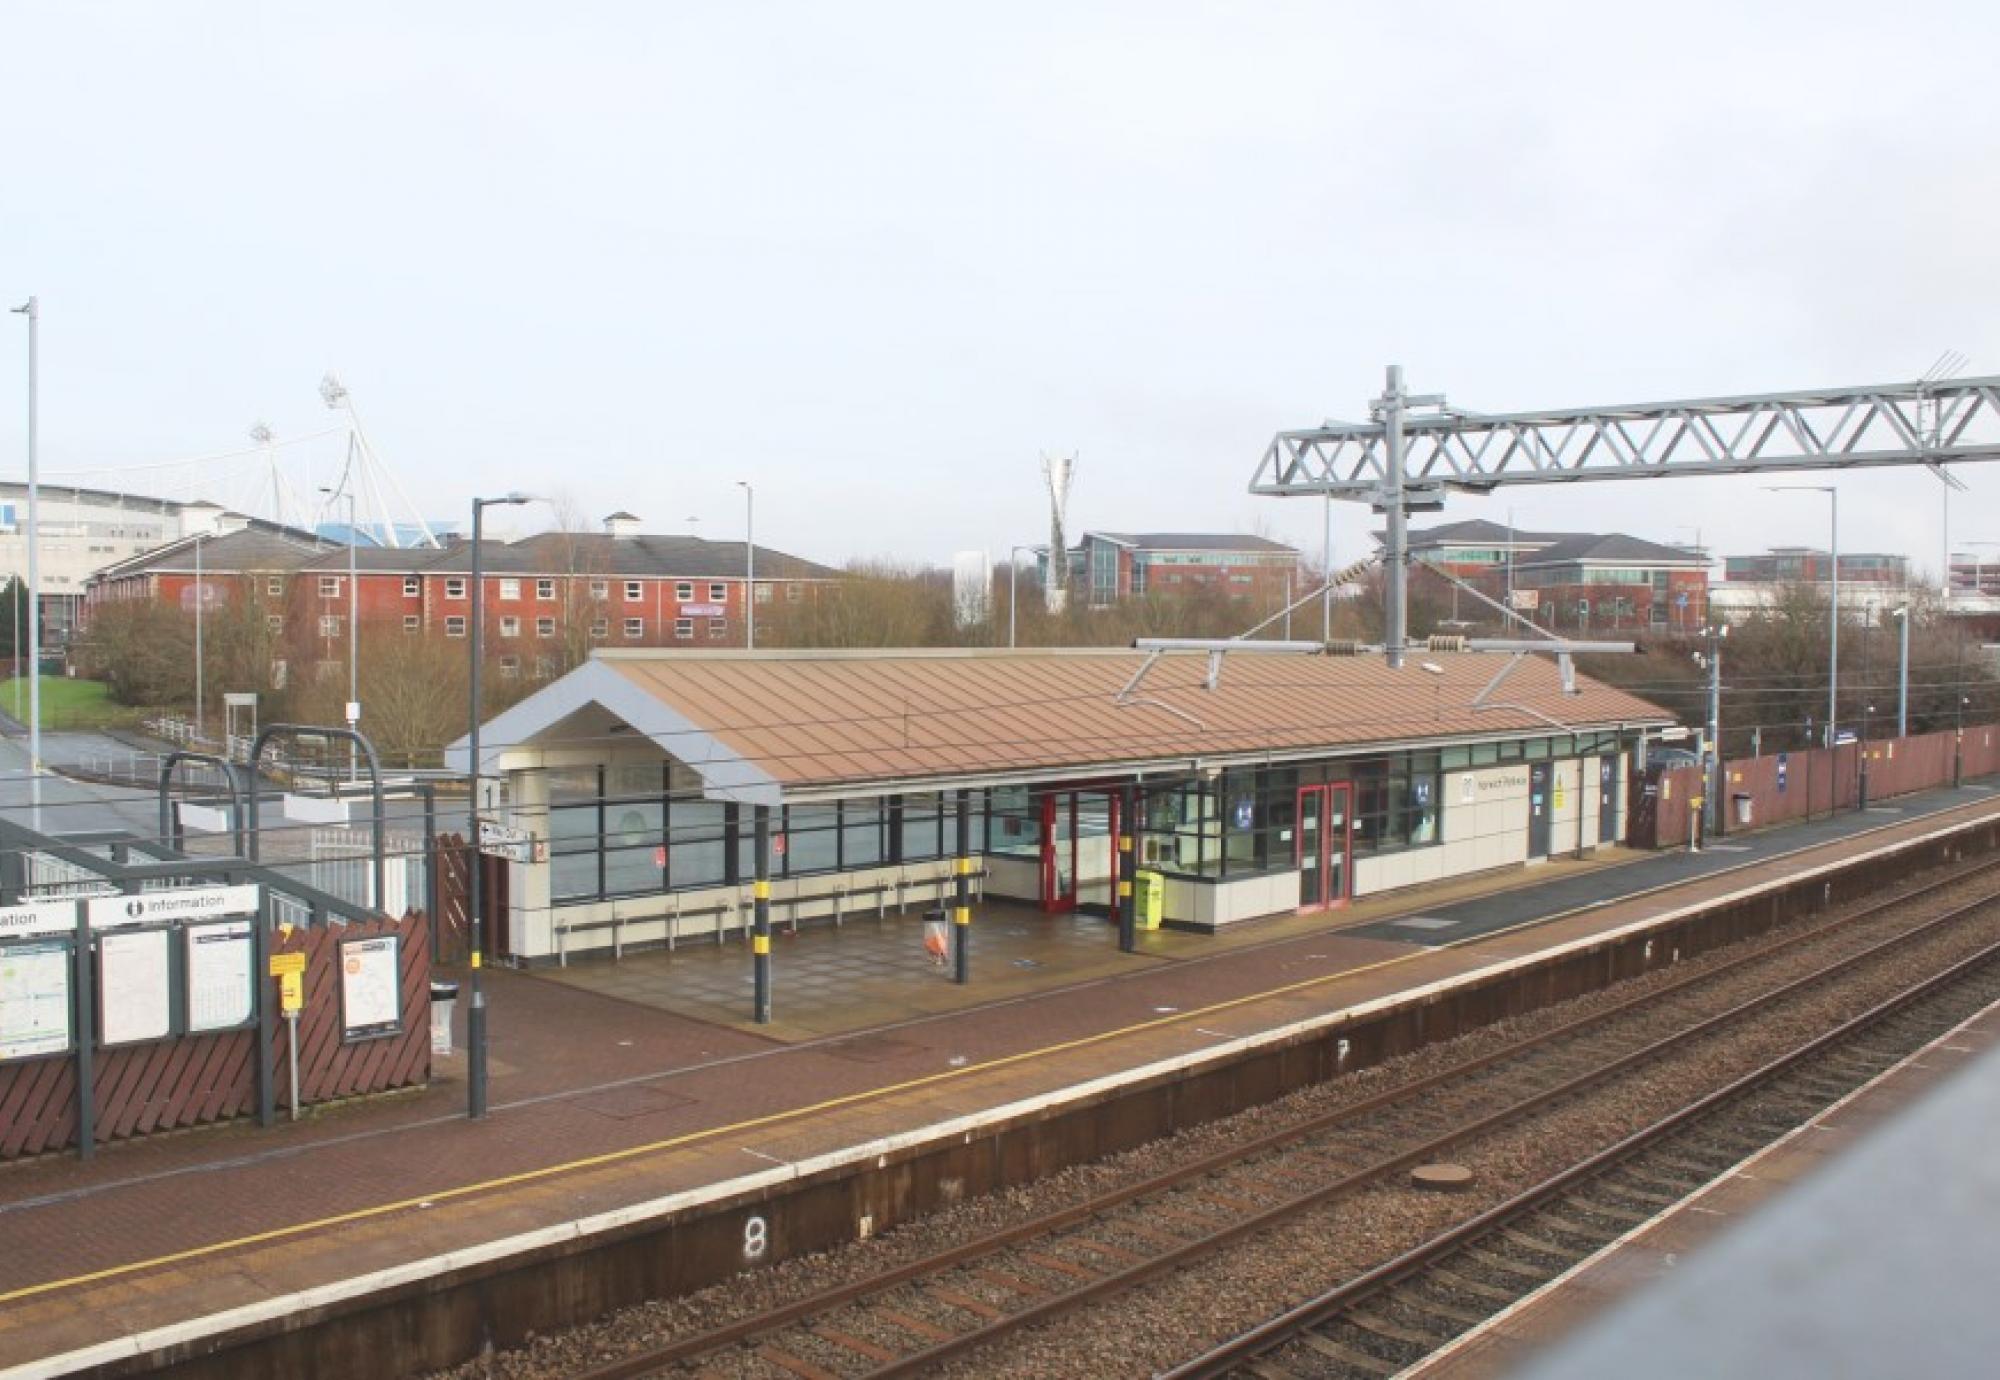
(1323, 846)
(1079, 848)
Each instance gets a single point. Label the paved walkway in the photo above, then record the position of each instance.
(601, 1103)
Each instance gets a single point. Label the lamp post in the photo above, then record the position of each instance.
(1902, 617)
(32, 309)
(475, 1016)
(353, 634)
(200, 598)
(1013, 569)
(1833, 648)
(749, 562)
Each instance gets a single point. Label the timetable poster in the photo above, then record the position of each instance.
(370, 978)
(220, 978)
(135, 996)
(34, 1000)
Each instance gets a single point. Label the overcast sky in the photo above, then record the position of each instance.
(877, 258)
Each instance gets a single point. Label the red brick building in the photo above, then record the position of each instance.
(1109, 566)
(547, 598)
(1574, 580)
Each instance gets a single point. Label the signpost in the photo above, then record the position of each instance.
(515, 845)
(290, 971)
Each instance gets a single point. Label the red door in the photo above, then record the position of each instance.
(1321, 845)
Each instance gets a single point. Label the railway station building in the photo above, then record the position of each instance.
(1262, 785)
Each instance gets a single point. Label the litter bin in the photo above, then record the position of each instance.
(1149, 894)
(937, 936)
(1743, 801)
(444, 997)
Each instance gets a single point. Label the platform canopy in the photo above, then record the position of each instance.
(782, 727)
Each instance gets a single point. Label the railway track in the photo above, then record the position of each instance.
(930, 1312)
(1394, 1316)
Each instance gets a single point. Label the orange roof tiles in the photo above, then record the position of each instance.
(827, 719)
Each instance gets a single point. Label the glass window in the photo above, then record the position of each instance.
(697, 852)
(412, 623)
(718, 627)
(860, 833)
(454, 589)
(545, 589)
(812, 839)
(329, 586)
(545, 627)
(600, 589)
(600, 628)
(454, 626)
(573, 829)
(633, 839)
(635, 590)
(510, 589)
(635, 628)
(1013, 822)
(922, 829)
(510, 627)
(684, 628)
(684, 590)
(411, 587)
(717, 592)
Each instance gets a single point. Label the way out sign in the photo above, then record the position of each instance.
(515, 845)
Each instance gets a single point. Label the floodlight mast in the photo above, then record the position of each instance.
(1403, 461)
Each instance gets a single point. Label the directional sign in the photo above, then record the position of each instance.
(185, 903)
(515, 845)
(282, 964)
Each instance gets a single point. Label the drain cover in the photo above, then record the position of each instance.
(1441, 1178)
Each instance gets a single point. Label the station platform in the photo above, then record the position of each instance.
(622, 1092)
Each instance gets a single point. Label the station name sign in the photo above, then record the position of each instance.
(37, 917)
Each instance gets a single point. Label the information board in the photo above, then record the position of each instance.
(370, 987)
(34, 999)
(134, 987)
(218, 976)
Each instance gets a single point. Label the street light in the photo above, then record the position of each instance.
(32, 309)
(200, 598)
(475, 1016)
(353, 631)
(1833, 648)
(1902, 617)
(1014, 569)
(750, 562)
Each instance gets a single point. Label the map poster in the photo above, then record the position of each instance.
(219, 981)
(134, 987)
(370, 987)
(34, 1000)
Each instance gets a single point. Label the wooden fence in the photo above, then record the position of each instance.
(189, 1080)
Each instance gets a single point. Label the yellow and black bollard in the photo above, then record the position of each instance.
(961, 912)
(760, 938)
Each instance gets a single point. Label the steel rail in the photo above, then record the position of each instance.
(1318, 1311)
(774, 1320)
(1267, 1219)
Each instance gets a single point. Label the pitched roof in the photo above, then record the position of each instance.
(1611, 546)
(251, 549)
(1477, 531)
(1192, 541)
(775, 726)
(598, 553)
